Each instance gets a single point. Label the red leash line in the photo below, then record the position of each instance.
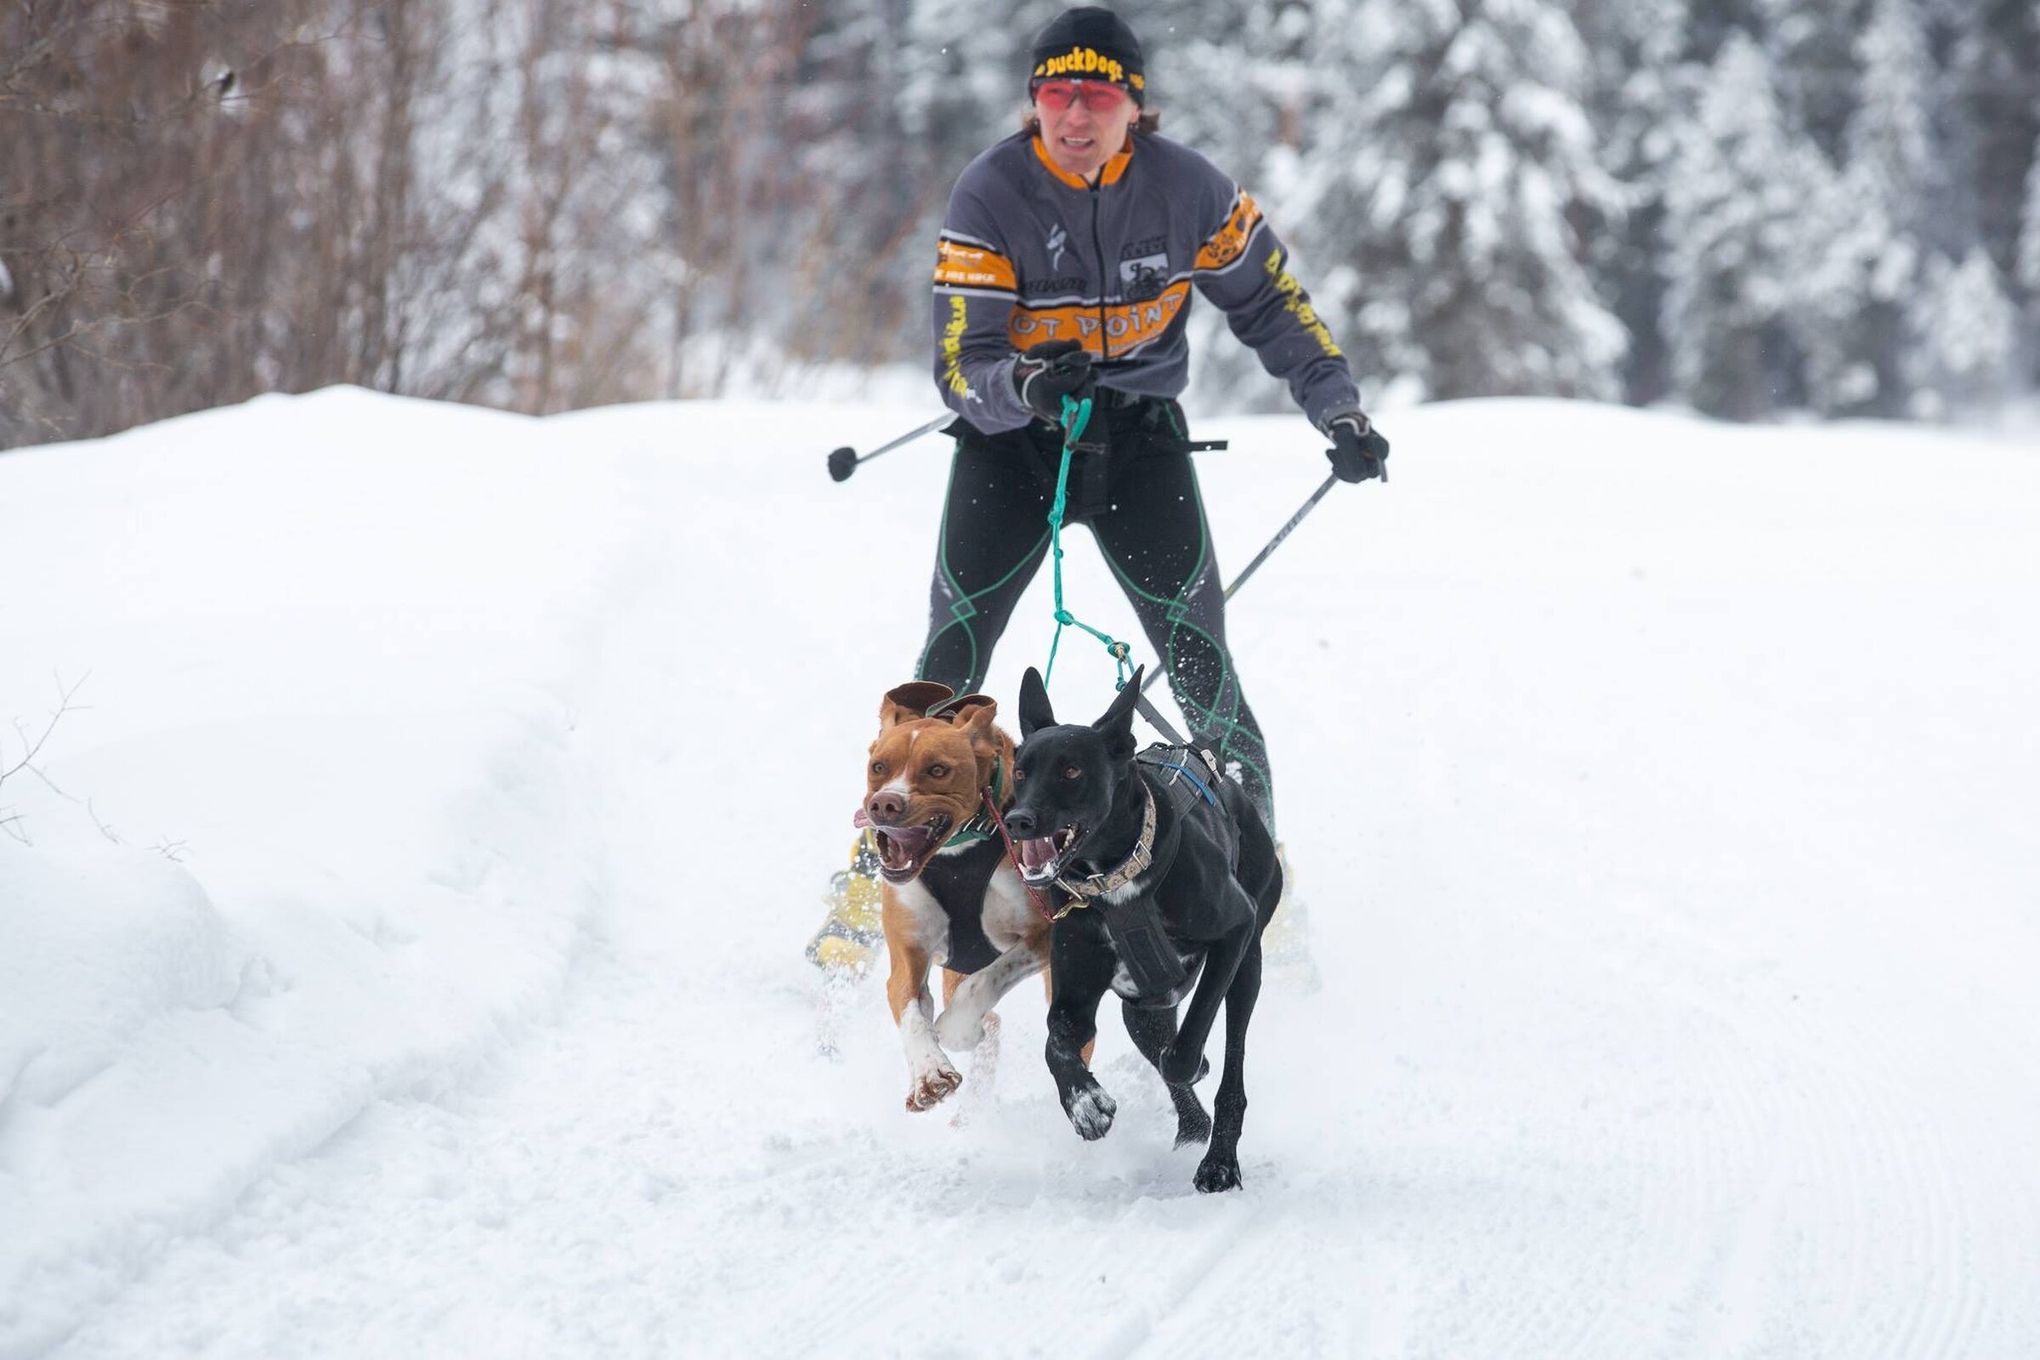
(1013, 856)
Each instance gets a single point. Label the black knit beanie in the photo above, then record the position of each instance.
(1091, 43)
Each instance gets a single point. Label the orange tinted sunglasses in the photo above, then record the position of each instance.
(1099, 96)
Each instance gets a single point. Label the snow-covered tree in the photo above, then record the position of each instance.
(1861, 282)
(1849, 296)
(2028, 263)
(959, 82)
(1233, 80)
(1992, 64)
(1734, 213)
(1968, 337)
(1463, 170)
(1888, 142)
(1816, 59)
(1639, 87)
(1710, 24)
(2029, 231)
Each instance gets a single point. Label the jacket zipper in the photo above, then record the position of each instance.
(1104, 275)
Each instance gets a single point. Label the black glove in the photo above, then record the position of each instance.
(1358, 451)
(1050, 371)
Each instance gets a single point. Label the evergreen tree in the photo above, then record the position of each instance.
(959, 83)
(2029, 230)
(1221, 78)
(2029, 265)
(1710, 24)
(1994, 70)
(1888, 139)
(1849, 296)
(1734, 205)
(1466, 171)
(1639, 87)
(1968, 333)
(1816, 58)
(1866, 282)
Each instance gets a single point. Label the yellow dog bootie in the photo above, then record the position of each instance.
(851, 934)
(1285, 946)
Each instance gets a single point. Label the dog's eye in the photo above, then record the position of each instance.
(1019, 775)
(878, 768)
(1072, 772)
(938, 771)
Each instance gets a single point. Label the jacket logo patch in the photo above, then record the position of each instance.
(1230, 239)
(1123, 327)
(1057, 239)
(962, 266)
(1143, 278)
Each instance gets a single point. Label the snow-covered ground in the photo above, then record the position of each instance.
(1661, 792)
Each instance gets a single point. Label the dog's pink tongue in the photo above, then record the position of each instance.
(860, 818)
(1036, 854)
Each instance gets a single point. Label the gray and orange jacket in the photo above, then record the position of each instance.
(1029, 253)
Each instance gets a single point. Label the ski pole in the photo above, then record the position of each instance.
(844, 461)
(1324, 488)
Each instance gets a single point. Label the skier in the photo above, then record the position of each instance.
(1064, 269)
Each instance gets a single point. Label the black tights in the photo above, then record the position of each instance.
(1142, 504)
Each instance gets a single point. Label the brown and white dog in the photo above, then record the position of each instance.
(950, 894)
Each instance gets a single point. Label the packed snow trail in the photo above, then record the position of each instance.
(1657, 792)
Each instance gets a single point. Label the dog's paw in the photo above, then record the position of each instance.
(932, 1087)
(1090, 1111)
(960, 1028)
(1216, 1173)
(1182, 1067)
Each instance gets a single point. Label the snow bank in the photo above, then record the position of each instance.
(326, 652)
(98, 947)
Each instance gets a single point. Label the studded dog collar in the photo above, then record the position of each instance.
(985, 821)
(1135, 864)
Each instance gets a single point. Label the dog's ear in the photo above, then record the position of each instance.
(1117, 724)
(976, 721)
(1035, 712)
(974, 714)
(957, 710)
(904, 703)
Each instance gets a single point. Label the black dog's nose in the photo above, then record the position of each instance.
(886, 807)
(1020, 823)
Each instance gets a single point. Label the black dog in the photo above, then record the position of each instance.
(1178, 875)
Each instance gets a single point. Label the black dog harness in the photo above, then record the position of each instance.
(958, 875)
(1134, 924)
(957, 880)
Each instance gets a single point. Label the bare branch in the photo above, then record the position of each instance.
(34, 747)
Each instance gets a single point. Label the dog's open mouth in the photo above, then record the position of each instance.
(903, 851)
(1043, 857)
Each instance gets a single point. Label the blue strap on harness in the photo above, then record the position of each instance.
(1185, 771)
